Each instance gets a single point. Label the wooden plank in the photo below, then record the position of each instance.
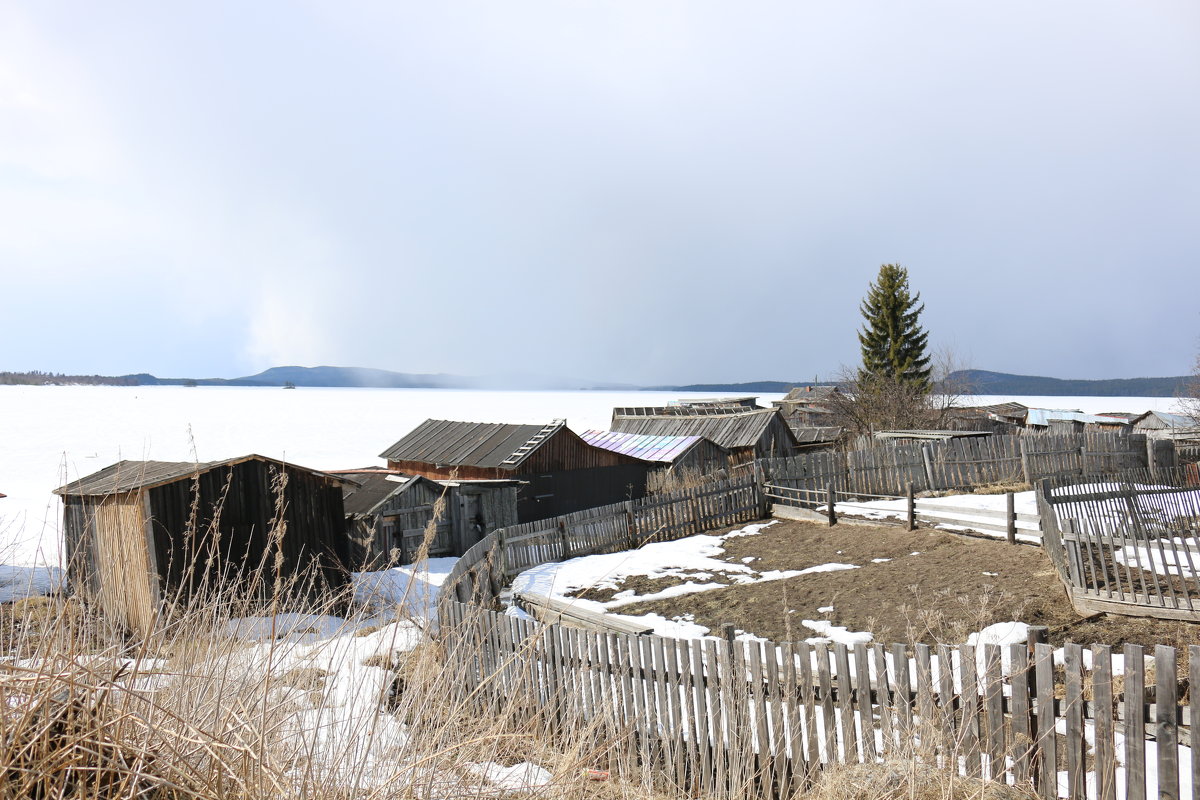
(887, 724)
(1047, 743)
(1134, 707)
(904, 716)
(845, 693)
(775, 715)
(553, 611)
(994, 705)
(1193, 709)
(1105, 731)
(808, 694)
(824, 678)
(1166, 732)
(926, 710)
(969, 701)
(792, 726)
(946, 695)
(1073, 713)
(1022, 727)
(701, 718)
(862, 695)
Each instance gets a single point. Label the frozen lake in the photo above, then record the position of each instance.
(50, 435)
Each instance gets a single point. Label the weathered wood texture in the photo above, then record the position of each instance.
(248, 531)
(1125, 548)
(715, 718)
(964, 463)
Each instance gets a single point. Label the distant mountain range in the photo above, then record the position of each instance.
(975, 381)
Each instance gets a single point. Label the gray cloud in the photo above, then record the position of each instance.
(645, 193)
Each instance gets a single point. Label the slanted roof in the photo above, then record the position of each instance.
(730, 431)
(1166, 419)
(1044, 416)
(372, 488)
(816, 434)
(647, 447)
(126, 476)
(472, 444)
(809, 394)
(932, 435)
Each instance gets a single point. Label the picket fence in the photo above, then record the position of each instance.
(1124, 548)
(965, 463)
(724, 718)
(757, 719)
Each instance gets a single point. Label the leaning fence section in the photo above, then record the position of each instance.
(1124, 547)
(718, 718)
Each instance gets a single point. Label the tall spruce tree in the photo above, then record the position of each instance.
(893, 342)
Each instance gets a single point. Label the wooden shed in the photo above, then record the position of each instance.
(140, 535)
(387, 513)
(559, 471)
(747, 435)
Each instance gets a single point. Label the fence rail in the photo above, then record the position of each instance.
(965, 463)
(757, 719)
(721, 718)
(1127, 548)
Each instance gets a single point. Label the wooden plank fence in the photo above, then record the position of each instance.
(966, 463)
(725, 719)
(492, 562)
(1125, 548)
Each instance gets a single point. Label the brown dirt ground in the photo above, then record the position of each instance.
(934, 589)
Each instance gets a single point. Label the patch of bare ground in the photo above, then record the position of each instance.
(926, 586)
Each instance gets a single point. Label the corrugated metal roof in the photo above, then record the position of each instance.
(1167, 419)
(1043, 416)
(648, 447)
(125, 476)
(472, 444)
(727, 430)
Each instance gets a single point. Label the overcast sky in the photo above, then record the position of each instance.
(646, 192)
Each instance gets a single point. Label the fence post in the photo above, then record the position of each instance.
(1010, 515)
(562, 539)
(912, 508)
(728, 632)
(630, 533)
(1025, 461)
(927, 457)
(829, 502)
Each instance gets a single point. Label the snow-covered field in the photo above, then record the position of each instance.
(52, 434)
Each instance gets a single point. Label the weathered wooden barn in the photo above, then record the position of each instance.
(809, 406)
(1162, 420)
(747, 435)
(142, 535)
(559, 471)
(693, 453)
(387, 513)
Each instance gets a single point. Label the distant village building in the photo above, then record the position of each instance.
(142, 535)
(809, 406)
(388, 512)
(672, 452)
(1060, 420)
(746, 434)
(1162, 420)
(559, 471)
(1000, 418)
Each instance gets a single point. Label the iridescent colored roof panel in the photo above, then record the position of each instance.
(647, 447)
